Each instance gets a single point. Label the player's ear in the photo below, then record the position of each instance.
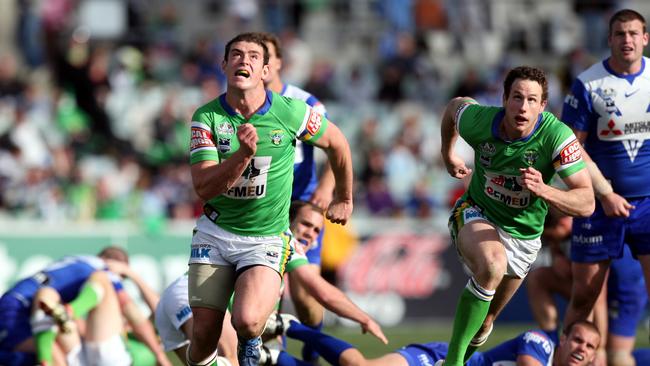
(265, 71)
(223, 65)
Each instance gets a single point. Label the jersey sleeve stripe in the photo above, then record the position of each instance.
(201, 125)
(303, 125)
(459, 114)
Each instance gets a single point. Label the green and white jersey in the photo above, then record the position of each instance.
(496, 184)
(258, 203)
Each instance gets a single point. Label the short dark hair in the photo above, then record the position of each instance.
(274, 40)
(297, 205)
(525, 73)
(115, 253)
(626, 15)
(585, 323)
(252, 37)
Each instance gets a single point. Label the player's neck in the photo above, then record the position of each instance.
(246, 102)
(624, 68)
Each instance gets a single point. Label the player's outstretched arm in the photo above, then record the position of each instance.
(142, 328)
(338, 153)
(149, 295)
(336, 301)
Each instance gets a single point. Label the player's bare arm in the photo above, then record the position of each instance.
(336, 301)
(322, 195)
(578, 200)
(338, 152)
(142, 328)
(211, 178)
(614, 204)
(455, 165)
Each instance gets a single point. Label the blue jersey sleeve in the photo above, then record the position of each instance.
(577, 107)
(536, 344)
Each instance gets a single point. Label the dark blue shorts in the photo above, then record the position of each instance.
(626, 295)
(14, 323)
(599, 237)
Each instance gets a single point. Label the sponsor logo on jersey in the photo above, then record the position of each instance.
(486, 161)
(314, 123)
(276, 137)
(183, 313)
(509, 200)
(530, 157)
(424, 360)
(570, 153)
(225, 129)
(506, 189)
(608, 95)
(223, 144)
(252, 183)
(201, 138)
(487, 148)
(535, 337)
(611, 128)
(508, 182)
(572, 101)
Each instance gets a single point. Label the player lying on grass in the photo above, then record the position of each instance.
(531, 348)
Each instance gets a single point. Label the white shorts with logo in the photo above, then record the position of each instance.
(521, 253)
(214, 245)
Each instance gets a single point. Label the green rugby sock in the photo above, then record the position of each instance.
(471, 311)
(89, 296)
(44, 342)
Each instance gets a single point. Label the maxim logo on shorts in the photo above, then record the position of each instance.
(588, 240)
(185, 311)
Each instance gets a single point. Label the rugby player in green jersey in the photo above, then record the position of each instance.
(496, 225)
(241, 155)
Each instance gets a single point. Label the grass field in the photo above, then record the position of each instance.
(421, 333)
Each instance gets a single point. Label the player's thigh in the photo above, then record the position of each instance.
(257, 291)
(210, 286)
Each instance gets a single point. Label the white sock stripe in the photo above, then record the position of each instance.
(210, 359)
(478, 291)
(99, 290)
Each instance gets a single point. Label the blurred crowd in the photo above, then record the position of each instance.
(95, 125)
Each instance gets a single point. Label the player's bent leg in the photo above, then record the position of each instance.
(257, 290)
(588, 279)
(481, 249)
(209, 287)
(104, 320)
(541, 284)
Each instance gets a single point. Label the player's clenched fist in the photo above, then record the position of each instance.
(247, 136)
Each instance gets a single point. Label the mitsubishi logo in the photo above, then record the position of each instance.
(611, 129)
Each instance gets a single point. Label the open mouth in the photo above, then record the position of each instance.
(242, 73)
(521, 119)
(577, 356)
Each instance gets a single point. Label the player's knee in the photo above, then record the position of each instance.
(248, 326)
(46, 293)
